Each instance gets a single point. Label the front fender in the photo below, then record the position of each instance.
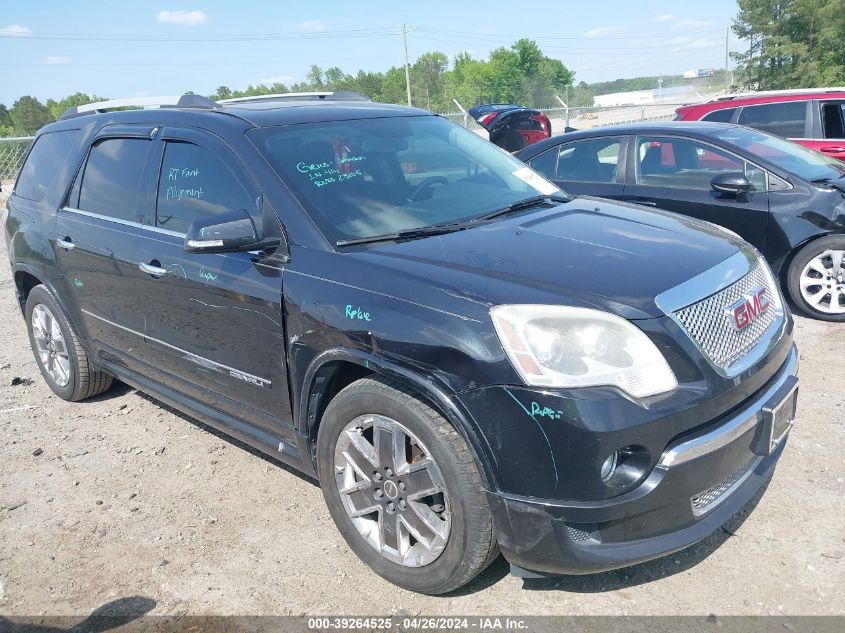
(427, 387)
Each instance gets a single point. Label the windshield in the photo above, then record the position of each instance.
(370, 177)
(799, 160)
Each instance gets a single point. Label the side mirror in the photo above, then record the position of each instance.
(731, 183)
(226, 233)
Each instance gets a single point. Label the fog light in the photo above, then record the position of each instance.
(609, 466)
(626, 467)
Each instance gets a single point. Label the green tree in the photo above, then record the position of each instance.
(223, 92)
(57, 108)
(791, 43)
(5, 116)
(428, 76)
(29, 114)
(315, 77)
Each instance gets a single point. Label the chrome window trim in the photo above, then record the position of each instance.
(100, 216)
(163, 231)
(195, 358)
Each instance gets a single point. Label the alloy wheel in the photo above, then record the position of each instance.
(392, 490)
(822, 282)
(50, 345)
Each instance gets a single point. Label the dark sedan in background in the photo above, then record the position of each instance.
(786, 200)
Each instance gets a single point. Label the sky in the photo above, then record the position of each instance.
(49, 48)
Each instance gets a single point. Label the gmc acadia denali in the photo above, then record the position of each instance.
(467, 358)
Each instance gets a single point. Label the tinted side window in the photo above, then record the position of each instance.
(546, 163)
(720, 116)
(194, 184)
(44, 163)
(679, 163)
(111, 182)
(783, 119)
(833, 120)
(589, 161)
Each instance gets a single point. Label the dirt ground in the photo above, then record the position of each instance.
(122, 497)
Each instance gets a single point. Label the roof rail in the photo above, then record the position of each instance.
(773, 93)
(340, 95)
(180, 101)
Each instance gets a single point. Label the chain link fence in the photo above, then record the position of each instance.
(12, 152)
(585, 118)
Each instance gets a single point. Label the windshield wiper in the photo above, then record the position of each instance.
(521, 205)
(423, 231)
(441, 229)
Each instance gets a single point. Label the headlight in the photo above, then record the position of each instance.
(560, 346)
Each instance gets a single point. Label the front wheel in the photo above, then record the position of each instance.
(403, 488)
(816, 278)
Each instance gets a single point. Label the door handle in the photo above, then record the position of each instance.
(833, 150)
(150, 269)
(66, 244)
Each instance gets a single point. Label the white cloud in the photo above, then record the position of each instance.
(311, 26)
(666, 17)
(182, 18)
(694, 24)
(601, 31)
(57, 59)
(278, 79)
(16, 30)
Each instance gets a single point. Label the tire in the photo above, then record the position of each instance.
(63, 362)
(822, 260)
(430, 564)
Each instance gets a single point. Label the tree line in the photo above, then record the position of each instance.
(521, 73)
(790, 44)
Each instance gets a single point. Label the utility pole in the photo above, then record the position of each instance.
(727, 73)
(407, 71)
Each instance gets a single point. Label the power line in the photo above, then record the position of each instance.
(248, 37)
(477, 35)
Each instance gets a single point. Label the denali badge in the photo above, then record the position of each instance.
(751, 306)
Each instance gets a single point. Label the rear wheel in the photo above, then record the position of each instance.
(63, 362)
(816, 278)
(404, 488)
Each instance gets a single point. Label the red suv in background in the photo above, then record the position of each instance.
(812, 117)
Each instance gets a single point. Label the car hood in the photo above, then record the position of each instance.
(588, 252)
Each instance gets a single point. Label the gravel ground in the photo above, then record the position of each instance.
(121, 496)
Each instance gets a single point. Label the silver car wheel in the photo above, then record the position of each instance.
(823, 282)
(50, 345)
(392, 490)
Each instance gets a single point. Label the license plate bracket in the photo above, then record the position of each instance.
(778, 417)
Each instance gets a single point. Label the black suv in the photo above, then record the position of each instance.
(466, 358)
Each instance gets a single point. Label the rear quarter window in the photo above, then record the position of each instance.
(720, 116)
(784, 119)
(47, 159)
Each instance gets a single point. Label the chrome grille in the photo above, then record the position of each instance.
(702, 501)
(710, 324)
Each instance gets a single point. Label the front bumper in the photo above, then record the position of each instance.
(697, 485)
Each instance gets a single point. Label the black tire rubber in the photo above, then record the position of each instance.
(85, 381)
(793, 275)
(472, 545)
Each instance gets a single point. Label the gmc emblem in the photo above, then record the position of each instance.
(749, 308)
